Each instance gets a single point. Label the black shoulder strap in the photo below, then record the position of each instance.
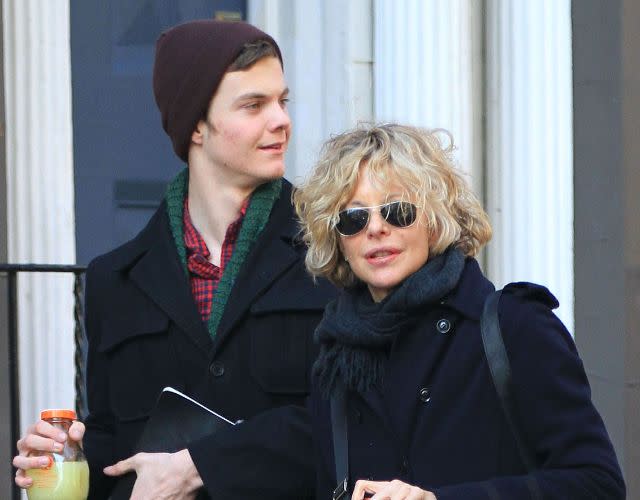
(340, 442)
(501, 374)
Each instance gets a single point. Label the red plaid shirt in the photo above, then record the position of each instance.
(203, 275)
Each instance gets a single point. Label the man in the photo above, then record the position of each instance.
(211, 297)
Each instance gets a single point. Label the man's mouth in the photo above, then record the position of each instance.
(273, 147)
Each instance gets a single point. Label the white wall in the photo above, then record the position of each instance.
(327, 50)
(40, 195)
(428, 71)
(529, 141)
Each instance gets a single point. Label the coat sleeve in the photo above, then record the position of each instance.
(554, 411)
(99, 435)
(267, 457)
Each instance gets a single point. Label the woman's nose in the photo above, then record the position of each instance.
(377, 223)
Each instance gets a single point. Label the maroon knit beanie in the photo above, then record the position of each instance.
(191, 59)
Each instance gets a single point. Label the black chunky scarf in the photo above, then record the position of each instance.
(255, 219)
(355, 332)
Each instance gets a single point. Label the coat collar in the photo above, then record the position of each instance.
(468, 296)
(276, 250)
(152, 263)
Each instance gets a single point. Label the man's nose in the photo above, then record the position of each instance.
(279, 117)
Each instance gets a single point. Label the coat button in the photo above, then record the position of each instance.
(443, 325)
(216, 369)
(425, 394)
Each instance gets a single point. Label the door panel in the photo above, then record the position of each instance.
(122, 157)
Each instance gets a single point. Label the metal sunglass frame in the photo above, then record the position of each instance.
(413, 208)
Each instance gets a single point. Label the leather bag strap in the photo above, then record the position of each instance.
(500, 369)
(340, 442)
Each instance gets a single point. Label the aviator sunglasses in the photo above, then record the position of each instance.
(397, 213)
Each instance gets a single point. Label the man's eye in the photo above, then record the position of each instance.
(253, 105)
(284, 101)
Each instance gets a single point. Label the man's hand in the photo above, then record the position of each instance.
(394, 490)
(161, 476)
(41, 436)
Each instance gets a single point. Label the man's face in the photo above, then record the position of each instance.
(247, 130)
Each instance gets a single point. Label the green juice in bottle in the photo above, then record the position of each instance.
(67, 476)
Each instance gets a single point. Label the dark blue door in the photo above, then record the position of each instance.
(122, 157)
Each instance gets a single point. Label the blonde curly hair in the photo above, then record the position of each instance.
(413, 157)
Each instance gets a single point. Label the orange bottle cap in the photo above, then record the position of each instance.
(46, 414)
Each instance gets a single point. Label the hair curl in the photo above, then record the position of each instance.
(413, 157)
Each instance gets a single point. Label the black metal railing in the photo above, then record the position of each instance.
(12, 271)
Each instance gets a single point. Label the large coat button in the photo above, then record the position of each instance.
(443, 325)
(216, 369)
(425, 394)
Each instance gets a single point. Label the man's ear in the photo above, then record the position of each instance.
(196, 135)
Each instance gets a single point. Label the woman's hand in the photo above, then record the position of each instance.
(41, 436)
(161, 476)
(393, 490)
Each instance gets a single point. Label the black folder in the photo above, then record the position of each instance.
(176, 421)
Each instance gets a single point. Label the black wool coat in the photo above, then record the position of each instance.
(437, 422)
(145, 333)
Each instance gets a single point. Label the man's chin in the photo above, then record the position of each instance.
(275, 173)
(268, 175)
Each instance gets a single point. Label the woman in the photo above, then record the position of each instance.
(387, 218)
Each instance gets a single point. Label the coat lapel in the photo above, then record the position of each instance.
(398, 400)
(415, 354)
(159, 274)
(272, 254)
(413, 359)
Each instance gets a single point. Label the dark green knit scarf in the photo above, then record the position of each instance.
(255, 219)
(356, 333)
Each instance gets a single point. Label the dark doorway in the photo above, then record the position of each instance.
(122, 157)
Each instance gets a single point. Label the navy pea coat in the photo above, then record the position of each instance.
(437, 422)
(145, 333)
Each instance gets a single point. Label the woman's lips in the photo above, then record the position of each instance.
(381, 256)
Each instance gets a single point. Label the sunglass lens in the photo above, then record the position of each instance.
(352, 221)
(400, 213)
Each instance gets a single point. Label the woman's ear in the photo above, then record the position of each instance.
(432, 228)
(341, 250)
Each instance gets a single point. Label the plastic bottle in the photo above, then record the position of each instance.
(67, 476)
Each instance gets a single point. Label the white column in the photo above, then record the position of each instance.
(40, 195)
(327, 50)
(428, 70)
(529, 145)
